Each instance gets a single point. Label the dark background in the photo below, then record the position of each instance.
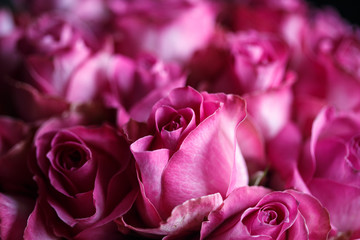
(346, 8)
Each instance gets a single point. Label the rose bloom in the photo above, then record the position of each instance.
(258, 213)
(188, 163)
(331, 170)
(84, 182)
(253, 65)
(131, 86)
(327, 67)
(158, 27)
(48, 49)
(326, 165)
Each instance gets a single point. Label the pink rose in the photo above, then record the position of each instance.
(49, 50)
(254, 65)
(158, 27)
(251, 61)
(132, 86)
(326, 166)
(81, 181)
(258, 213)
(327, 67)
(192, 153)
(332, 169)
(52, 49)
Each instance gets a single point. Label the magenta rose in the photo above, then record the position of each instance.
(157, 27)
(250, 61)
(326, 166)
(258, 213)
(132, 86)
(332, 169)
(52, 48)
(189, 163)
(253, 65)
(48, 49)
(327, 67)
(80, 172)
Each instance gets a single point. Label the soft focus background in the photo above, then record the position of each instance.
(347, 8)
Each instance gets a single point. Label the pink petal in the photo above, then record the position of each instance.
(316, 217)
(14, 212)
(151, 165)
(237, 202)
(189, 216)
(342, 202)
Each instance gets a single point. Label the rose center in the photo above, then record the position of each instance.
(71, 159)
(174, 124)
(270, 216)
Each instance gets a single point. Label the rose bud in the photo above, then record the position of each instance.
(188, 164)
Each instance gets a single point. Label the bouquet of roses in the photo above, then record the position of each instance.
(178, 119)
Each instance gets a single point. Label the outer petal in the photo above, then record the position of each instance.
(38, 106)
(284, 152)
(316, 217)
(151, 165)
(332, 130)
(36, 226)
(188, 216)
(299, 230)
(342, 202)
(252, 145)
(218, 226)
(271, 109)
(185, 219)
(14, 211)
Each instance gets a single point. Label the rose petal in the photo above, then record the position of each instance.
(188, 216)
(316, 217)
(342, 201)
(151, 165)
(238, 201)
(14, 212)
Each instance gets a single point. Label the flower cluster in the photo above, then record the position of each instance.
(178, 119)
